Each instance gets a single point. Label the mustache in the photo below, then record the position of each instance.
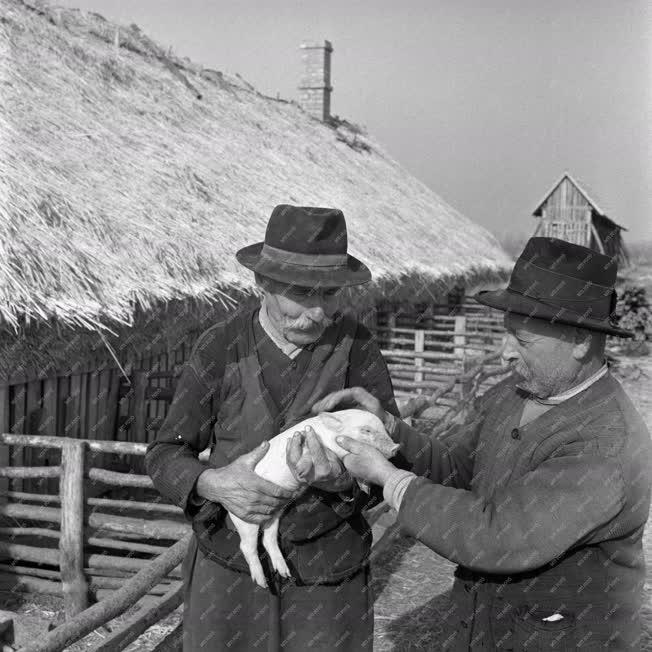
(308, 320)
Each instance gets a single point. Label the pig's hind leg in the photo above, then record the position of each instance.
(249, 546)
(270, 542)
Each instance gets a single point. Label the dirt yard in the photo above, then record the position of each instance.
(410, 581)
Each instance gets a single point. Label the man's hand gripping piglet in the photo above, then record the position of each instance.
(361, 460)
(306, 455)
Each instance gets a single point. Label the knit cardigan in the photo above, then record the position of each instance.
(543, 519)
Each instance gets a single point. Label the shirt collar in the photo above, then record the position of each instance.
(290, 349)
(573, 391)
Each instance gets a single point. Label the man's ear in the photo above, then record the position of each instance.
(583, 341)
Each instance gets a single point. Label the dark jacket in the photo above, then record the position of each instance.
(542, 519)
(222, 401)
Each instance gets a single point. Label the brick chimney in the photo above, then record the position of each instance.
(315, 87)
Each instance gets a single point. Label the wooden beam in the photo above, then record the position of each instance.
(18, 426)
(4, 427)
(419, 346)
(173, 641)
(113, 605)
(94, 561)
(26, 584)
(30, 472)
(121, 447)
(141, 621)
(99, 502)
(459, 339)
(120, 479)
(134, 546)
(139, 403)
(48, 426)
(145, 528)
(71, 542)
(594, 231)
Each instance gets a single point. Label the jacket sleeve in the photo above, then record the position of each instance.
(172, 458)
(563, 502)
(448, 462)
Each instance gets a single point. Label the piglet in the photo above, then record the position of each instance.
(357, 424)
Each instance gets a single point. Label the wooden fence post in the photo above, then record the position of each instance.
(18, 426)
(459, 337)
(48, 426)
(459, 341)
(139, 431)
(71, 542)
(419, 346)
(4, 428)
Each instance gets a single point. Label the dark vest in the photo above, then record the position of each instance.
(322, 537)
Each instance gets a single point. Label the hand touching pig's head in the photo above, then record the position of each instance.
(357, 424)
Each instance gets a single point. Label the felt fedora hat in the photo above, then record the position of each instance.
(305, 246)
(561, 282)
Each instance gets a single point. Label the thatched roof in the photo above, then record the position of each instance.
(121, 189)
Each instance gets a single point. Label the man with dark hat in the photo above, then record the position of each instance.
(543, 499)
(254, 375)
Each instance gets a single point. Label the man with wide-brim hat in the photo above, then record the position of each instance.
(543, 498)
(256, 374)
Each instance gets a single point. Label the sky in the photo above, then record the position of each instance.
(486, 103)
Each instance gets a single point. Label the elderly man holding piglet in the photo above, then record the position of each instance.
(543, 499)
(264, 369)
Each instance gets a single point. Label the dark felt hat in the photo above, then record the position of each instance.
(559, 281)
(305, 246)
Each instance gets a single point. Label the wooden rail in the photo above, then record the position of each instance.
(117, 603)
(80, 572)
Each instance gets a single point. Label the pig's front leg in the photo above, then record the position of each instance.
(270, 543)
(249, 546)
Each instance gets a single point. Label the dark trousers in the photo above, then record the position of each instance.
(226, 610)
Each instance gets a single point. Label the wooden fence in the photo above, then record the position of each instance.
(424, 351)
(99, 554)
(422, 360)
(102, 549)
(86, 522)
(76, 561)
(101, 403)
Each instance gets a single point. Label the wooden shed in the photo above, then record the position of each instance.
(569, 212)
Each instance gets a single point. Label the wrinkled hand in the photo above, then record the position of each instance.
(365, 462)
(313, 464)
(357, 397)
(241, 491)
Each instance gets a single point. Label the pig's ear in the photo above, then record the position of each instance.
(331, 421)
